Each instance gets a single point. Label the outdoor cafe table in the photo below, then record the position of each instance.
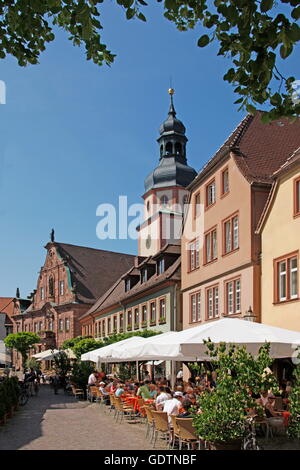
(134, 401)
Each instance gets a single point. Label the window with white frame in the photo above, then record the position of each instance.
(211, 193)
(225, 181)
(193, 251)
(195, 307)
(287, 278)
(233, 296)
(212, 302)
(67, 324)
(231, 234)
(211, 246)
(61, 325)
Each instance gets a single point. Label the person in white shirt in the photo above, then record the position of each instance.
(179, 374)
(161, 398)
(92, 380)
(172, 406)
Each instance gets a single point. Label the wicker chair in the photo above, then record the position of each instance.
(122, 410)
(161, 425)
(77, 392)
(186, 432)
(149, 421)
(175, 430)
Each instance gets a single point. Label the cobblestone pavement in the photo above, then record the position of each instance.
(60, 422)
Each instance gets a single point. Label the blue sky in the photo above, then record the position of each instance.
(75, 135)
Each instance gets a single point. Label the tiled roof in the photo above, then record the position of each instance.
(7, 305)
(292, 162)
(259, 149)
(93, 271)
(116, 294)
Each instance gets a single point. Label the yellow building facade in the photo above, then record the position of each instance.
(280, 235)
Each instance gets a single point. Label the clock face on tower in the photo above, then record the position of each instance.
(148, 242)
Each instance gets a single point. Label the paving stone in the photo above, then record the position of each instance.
(60, 422)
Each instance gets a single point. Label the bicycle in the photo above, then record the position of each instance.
(250, 441)
(24, 393)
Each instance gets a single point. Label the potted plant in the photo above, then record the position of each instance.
(136, 326)
(129, 327)
(222, 420)
(144, 324)
(162, 320)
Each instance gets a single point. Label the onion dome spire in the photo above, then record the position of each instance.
(172, 169)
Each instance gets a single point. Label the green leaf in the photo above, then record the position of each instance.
(285, 51)
(296, 13)
(251, 109)
(266, 5)
(130, 13)
(203, 41)
(141, 17)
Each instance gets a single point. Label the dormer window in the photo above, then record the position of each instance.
(144, 275)
(161, 266)
(127, 285)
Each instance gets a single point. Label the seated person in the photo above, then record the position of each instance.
(269, 407)
(104, 393)
(144, 391)
(153, 390)
(186, 405)
(162, 397)
(120, 390)
(172, 406)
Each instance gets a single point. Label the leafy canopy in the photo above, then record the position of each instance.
(239, 375)
(252, 34)
(22, 341)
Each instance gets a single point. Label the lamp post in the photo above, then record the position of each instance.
(249, 315)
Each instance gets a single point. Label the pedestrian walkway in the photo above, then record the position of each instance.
(60, 422)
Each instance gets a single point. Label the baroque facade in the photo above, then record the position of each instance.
(70, 281)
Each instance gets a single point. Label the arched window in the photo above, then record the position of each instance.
(51, 287)
(161, 150)
(169, 148)
(178, 148)
(164, 201)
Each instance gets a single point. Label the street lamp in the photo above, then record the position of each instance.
(249, 315)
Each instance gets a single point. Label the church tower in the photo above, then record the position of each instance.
(165, 188)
